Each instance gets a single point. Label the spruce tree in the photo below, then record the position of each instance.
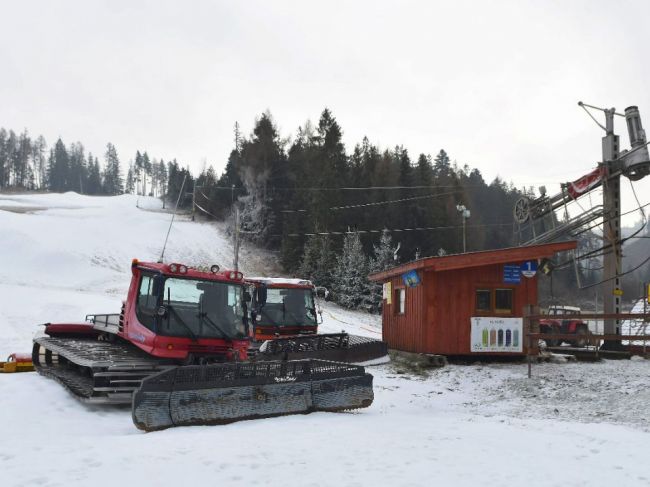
(137, 172)
(146, 169)
(58, 168)
(113, 183)
(129, 185)
(384, 258)
(351, 285)
(318, 261)
(4, 158)
(94, 184)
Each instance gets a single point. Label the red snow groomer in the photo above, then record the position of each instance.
(284, 325)
(178, 353)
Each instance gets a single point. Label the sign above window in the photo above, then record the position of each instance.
(511, 274)
(411, 279)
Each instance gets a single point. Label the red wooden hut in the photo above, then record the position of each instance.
(463, 304)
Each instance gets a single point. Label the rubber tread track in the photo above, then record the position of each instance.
(99, 354)
(95, 371)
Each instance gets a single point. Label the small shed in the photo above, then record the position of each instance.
(463, 304)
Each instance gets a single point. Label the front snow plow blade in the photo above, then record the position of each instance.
(224, 393)
(338, 347)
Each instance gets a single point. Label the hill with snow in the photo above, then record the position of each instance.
(65, 255)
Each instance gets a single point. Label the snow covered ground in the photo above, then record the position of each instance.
(62, 256)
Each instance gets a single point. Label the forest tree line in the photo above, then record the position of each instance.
(336, 215)
(332, 214)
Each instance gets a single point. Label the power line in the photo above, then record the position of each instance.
(377, 203)
(415, 229)
(361, 188)
(646, 260)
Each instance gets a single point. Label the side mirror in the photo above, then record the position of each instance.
(247, 297)
(161, 311)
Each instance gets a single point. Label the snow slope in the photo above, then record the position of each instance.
(62, 256)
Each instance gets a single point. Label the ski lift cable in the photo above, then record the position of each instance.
(206, 211)
(359, 188)
(376, 203)
(449, 227)
(638, 208)
(643, 216)
(604, 249)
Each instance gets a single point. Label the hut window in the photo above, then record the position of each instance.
(503, 301)
(483, 300)
(400, 297)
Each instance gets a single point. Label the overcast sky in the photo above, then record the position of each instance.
(496, 84)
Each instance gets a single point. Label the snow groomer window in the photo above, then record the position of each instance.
(147, 302)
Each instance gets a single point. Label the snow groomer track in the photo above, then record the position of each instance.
(95, 371)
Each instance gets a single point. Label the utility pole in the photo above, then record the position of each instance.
(465, 214)
(612, 260)
(635, 165)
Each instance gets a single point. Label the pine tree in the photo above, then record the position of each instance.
(22, 169)
(129, 185)
(4, 159)
(94, 183)
(146, 168)
(441, 166)
(113, 183)
(58, 168)
(318, 261)
(40, 166)
(12, 157)
(137, 172)
(351, 285)
(77, 171)
(162, 173)
(384, 258)
(263, 167)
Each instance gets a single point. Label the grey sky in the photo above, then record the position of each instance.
(495, 84)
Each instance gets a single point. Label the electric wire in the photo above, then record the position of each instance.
(646, 260)
(357, 188)
(377, 203)
(449, 227)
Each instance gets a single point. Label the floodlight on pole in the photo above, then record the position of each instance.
(465, 214)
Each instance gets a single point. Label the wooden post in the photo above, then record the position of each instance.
(193, 200)
(526, 331)
(530, 326)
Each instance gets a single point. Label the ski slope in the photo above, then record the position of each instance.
(65, 255)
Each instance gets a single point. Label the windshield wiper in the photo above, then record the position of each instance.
(182, 322)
